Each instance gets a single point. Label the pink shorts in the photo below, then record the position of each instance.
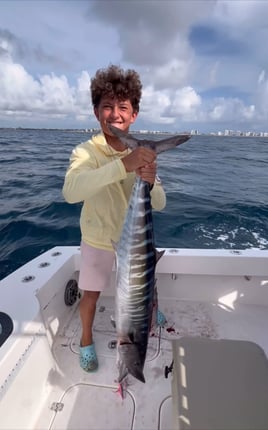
(95, 268)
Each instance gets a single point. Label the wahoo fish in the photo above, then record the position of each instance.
(136, 258)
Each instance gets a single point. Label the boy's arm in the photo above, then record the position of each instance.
(84, 179)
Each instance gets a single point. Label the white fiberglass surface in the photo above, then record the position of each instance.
(146, 406)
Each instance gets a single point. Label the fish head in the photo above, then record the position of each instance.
(130, 360)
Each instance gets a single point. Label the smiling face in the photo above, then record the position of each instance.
(118, 113)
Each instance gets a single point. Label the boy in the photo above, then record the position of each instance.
(101, 174)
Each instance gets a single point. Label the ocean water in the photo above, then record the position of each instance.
(216, 187)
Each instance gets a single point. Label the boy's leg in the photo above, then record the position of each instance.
(95, 273)
(88, 356)
(87, 314)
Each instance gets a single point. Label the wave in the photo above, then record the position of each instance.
(216, 194)
(238, 226)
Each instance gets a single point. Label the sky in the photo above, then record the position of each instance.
(203, 63)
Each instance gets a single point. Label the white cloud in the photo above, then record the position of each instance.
(169, 107)
(153, 104)
(241, 13)
(56, 94)
(231, 110)
(156, 41)
(262, 95)
(47, 96)
(82, 99)
(48, 76)
(173, 74)
(151, 32)
(213, 73)
(17, 88)
(52, 96)
(186, 102)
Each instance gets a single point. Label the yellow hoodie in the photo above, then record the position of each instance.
(97, 177)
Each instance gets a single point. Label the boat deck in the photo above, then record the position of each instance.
(149, 405)
(205, 294)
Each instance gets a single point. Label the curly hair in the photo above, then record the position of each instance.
(116, 83)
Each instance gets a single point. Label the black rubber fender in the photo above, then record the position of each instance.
(71, 292)
(6, 327)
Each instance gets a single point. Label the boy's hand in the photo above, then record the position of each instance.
(139, 158)
(148, 172)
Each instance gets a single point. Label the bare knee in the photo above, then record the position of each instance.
(90, 298)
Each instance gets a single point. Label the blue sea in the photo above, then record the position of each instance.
(216, 187)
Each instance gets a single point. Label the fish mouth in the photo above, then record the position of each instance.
(125, 343)
(131, 360)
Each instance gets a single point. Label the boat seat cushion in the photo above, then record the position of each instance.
(219, 385)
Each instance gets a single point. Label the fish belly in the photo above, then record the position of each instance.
(136, 262)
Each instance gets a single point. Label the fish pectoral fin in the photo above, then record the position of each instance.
(131, 337)
(127, 340)
(138, 374)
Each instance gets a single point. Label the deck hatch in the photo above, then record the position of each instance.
(219, 384)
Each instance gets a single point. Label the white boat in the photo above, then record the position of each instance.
(205, 369)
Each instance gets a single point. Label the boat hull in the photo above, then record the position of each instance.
(205, 294)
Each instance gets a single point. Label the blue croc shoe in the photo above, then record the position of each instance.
(160, 319)
(88, 358)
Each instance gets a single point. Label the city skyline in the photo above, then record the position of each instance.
(236, 133)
